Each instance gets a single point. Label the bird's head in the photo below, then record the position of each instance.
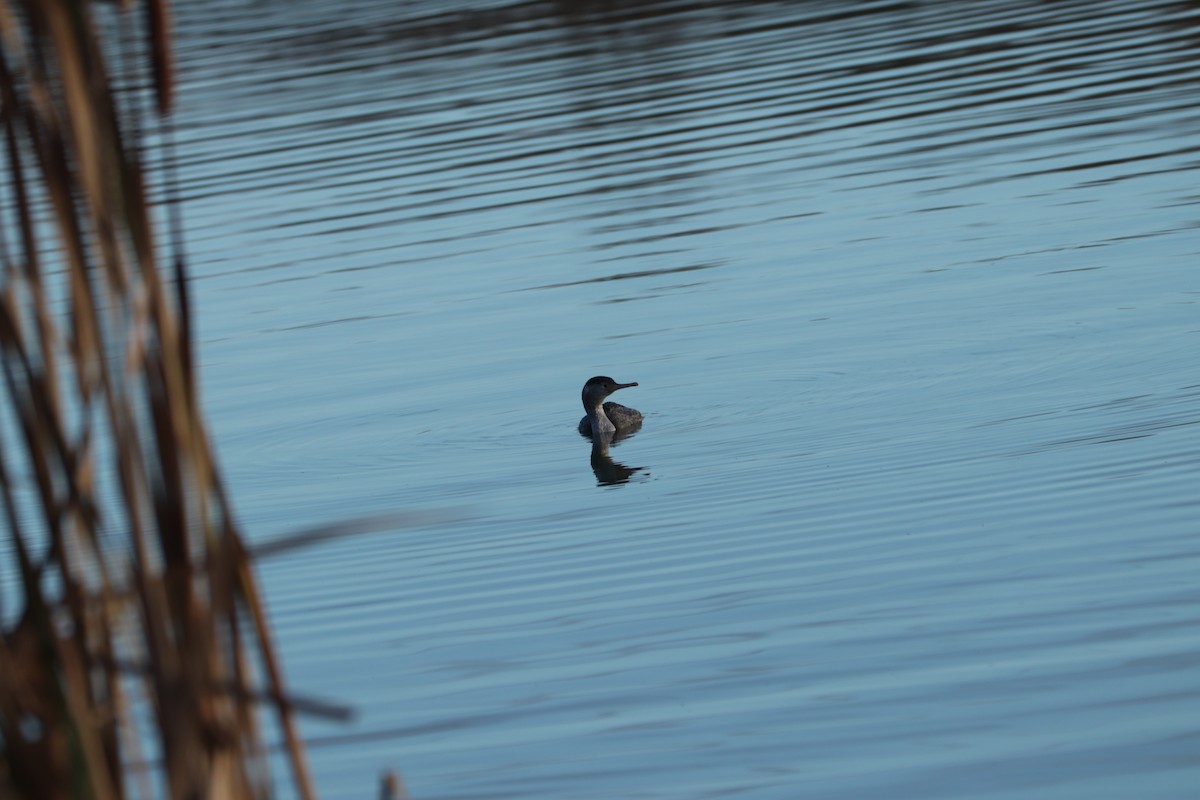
(600, 387)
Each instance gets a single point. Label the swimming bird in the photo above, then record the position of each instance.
(606, 418)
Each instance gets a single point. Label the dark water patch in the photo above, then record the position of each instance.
(625, 276)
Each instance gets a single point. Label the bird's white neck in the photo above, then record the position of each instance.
(601, 424)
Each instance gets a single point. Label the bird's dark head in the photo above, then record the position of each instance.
(600, 387)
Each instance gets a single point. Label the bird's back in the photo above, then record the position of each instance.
(623, 417)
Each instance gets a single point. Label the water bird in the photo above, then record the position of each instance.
(606, 418)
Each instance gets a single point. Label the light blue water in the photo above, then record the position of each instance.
(911, 293)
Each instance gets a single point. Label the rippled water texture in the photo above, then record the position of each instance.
(910, 290)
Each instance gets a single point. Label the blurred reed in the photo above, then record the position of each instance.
(134, 632)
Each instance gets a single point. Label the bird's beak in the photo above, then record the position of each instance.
(625, 385)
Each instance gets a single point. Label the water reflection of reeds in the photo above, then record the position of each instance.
(134, 630)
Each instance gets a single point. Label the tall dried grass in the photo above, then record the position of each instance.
(133, 628)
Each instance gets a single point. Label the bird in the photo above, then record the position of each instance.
(606, 418)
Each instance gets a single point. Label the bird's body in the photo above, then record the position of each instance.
(606, 418)
(622, 418)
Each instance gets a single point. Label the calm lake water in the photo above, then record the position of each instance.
(911, 292)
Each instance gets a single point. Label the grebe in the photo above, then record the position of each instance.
(603, 418)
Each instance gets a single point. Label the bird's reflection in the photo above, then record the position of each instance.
(607, 471)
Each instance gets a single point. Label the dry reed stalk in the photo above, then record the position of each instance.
(152, 572)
